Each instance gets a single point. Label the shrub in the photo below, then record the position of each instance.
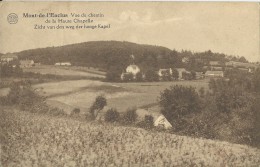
(128, 77)
(147, 123)
(112, 115)
(148, 119)
(130, 116)
(75, 111)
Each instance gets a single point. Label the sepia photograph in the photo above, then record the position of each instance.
(129, 84)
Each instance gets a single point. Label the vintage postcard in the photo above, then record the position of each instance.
(129, 84)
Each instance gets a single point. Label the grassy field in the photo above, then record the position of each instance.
(40, 140)
(82, 93)
(65, 71)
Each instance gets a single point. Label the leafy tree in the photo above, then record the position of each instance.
(202, 92)
(175, 74)
(151, 75)
(178, 101)
(139, 77)
(166, 75)
(113, 76)
(187, 76)
(193, 74)
(256, 80)
(99, 103)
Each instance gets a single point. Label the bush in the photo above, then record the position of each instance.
(148, 119)
(130, 116)
(111, 115)
(147, 123)
(128, 77)
(75, 111)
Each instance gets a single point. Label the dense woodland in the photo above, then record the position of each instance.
(114, 54)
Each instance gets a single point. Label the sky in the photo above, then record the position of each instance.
(230, 28)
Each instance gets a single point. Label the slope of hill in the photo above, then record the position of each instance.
(40, 140)
(102, 54)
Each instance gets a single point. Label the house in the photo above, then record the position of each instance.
(134, 69)
(8, 57)
(214, 74)
(26, 63)
(214, 63)
(216, 68)
(180, 71)
(199, 75)
(162, 72)
(131, 69)
(185, 59)
(63, 64)
(161, 121)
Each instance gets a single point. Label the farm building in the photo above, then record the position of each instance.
(63, 64)
(214, 74)
(181, 70)
(161, 121)
(241, 65)
(185, 59)
(26, 63)
(214, 63)
(8, 57)
(162, 72)
(134, 69)
(131, 69)
(216, 68)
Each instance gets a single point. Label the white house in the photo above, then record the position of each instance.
(214, 74)
(8, 57)
(161, 72)
(131, 69)
(180, 71)
(161, 121)
(26, 63)
(134, 69)
(63, 64)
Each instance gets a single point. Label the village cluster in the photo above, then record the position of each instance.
(214, 69)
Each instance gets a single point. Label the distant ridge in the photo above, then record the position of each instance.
(117, 54)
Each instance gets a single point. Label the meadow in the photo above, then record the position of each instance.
(65, 71)
(82, 93)
(40, 140)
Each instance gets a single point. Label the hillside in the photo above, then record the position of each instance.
(40, 140)
(115, 54)
(102, 54)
